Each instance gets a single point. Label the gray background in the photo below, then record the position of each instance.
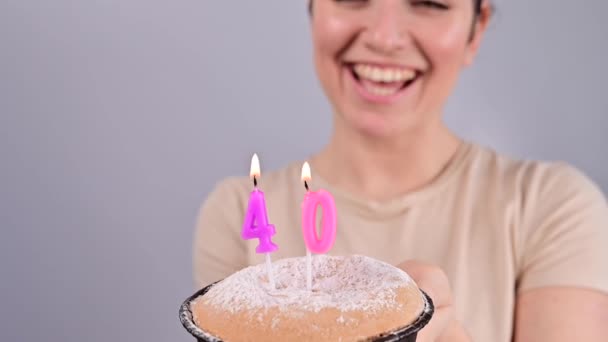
(118, 116)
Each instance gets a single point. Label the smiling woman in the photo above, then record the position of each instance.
(507, 248)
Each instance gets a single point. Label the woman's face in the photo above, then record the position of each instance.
(389, 65)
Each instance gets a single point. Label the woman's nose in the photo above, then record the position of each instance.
(386, 29)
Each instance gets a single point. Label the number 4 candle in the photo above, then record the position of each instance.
(314, 243)
(256, 224)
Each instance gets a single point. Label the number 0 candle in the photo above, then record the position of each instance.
(256, 224)
(314, 242)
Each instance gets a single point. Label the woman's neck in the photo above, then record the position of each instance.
(382, 170)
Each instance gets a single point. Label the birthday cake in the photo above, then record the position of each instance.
(354, 298)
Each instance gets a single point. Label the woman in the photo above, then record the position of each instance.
(508, 249)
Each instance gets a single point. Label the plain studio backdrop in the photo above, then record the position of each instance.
(119, 116)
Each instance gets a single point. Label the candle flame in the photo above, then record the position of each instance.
(255, 167)
(306, 176)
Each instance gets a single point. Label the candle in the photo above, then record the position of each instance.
(256, 224)
(314, 242)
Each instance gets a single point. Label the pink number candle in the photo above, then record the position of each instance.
(314, 242)
(256, 224)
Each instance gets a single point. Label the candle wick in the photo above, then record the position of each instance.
(255, 182)
(306, 185)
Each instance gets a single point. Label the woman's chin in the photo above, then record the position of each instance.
(377, 129)
(378, 126)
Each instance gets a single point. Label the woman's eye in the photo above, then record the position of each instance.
(431, 4)
(353, 1)
(355, 4)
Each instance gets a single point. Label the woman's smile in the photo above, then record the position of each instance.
(380, 83)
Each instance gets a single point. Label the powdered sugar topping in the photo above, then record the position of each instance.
(344, 283)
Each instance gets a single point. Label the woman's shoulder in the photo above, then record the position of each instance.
(534, 178)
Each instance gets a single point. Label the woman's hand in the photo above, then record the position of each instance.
(432, 280)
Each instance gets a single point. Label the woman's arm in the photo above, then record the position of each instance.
(561, 314)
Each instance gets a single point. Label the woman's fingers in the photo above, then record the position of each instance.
(432, 280)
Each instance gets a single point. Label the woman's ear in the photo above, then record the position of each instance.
(479, 28)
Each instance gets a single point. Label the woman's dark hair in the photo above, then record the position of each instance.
(478, 7)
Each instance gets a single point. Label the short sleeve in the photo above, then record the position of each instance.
(566, 231)
(218, 250)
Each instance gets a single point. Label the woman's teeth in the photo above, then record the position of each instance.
(382, 81)
(376, 74)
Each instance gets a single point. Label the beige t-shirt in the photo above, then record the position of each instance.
(497, 226)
